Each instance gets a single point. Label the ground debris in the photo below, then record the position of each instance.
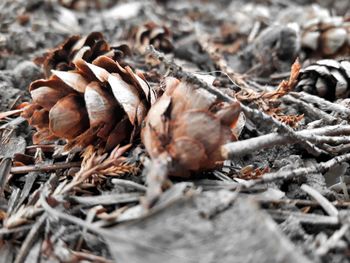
(184, 227)
(174, 131)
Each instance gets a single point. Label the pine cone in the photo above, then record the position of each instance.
(100, 103)
(274, 50)
(326, 78)
(152, 34)
(326, 37)
(87, 48)
(190, 126)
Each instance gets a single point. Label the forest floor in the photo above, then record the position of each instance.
(282, 196)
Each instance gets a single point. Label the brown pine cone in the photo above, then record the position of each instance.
(274, 50)
(326, 37)
(87, 48)
(189, 126)
(152, 34)
(326, 78)
(100, 103)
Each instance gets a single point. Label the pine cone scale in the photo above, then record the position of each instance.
(73, 79)
(68, 118)
(127, 96)
(99, 105)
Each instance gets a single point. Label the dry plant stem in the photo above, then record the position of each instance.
(157, 175)
(332, 241)
(318, 135)
(7, 231)
(337, 149)
(328, 139)
(250, 113)
(282, 129)
(287, 174)
(298, 202)
(43, 167)
(322, 103)
(9, 113)
(308, 219)
(89, 218)
(13, 123)
(324, 203)
(310, 110)
(5, 167)
(30, 239)
(128, 183)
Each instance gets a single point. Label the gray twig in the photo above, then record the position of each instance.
(286, 174)
(308, 219)
(318, 135)
(324, 203)
(30, 239)
(311, 110)
(322, 103)
(332, 241)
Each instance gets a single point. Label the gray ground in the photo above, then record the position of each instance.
(205, 219)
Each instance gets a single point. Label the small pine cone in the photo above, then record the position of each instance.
(100, 103)
(274, 50)
(74, 48)
(326, 37)
(189, 126)
(152, 34)
(327, 78)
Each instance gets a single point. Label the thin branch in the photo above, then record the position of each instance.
(328, 139)
(157, 174)
(297, 202)
(332, 241)
(129, 184)
(287, 131)
(240, 148)
(287, 174)
(30, 239)
(311, 110)
(7, 231)
(322, 103)
(324, 203)
(43, 167)
(307, 219)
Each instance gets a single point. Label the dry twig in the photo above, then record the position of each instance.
(44, 167)
(331, 242)
(287, 174)
(326, 205)
(318, 136)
